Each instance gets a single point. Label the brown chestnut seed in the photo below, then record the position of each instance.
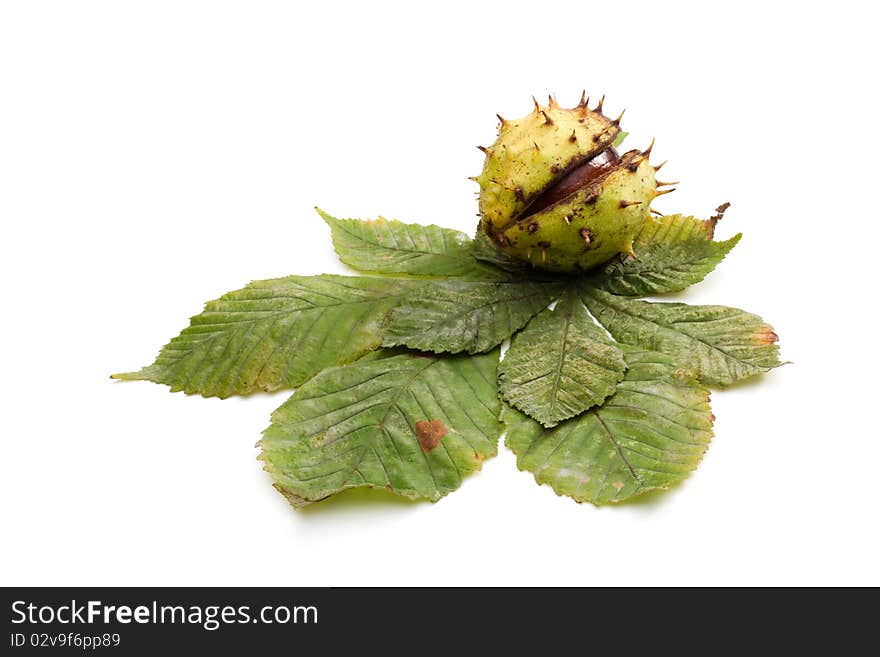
(578, 177)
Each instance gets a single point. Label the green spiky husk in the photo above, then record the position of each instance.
(582, 230)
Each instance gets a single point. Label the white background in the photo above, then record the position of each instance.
(155, 155)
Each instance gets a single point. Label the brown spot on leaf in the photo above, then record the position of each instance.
(587, 236)
(429, 433)
(532, 227)
(766, 336)
(617, 485)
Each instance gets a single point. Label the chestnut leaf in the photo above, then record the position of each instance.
(414, 424)
(651, 434)
(385, 246)
(719, 344)
(455, 315)
(598, 420)
(560, 364)
(276, 333)
(671, 253)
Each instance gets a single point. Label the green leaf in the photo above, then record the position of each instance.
(414, 424)
(276, 334)
(455, 316)
(649, 435)
(561, 364)
(619, 139)
(675, 228)
(721, 345)
(671, 253)
(385, 246)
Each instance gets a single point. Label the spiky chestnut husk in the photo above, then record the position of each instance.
(554, 192)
